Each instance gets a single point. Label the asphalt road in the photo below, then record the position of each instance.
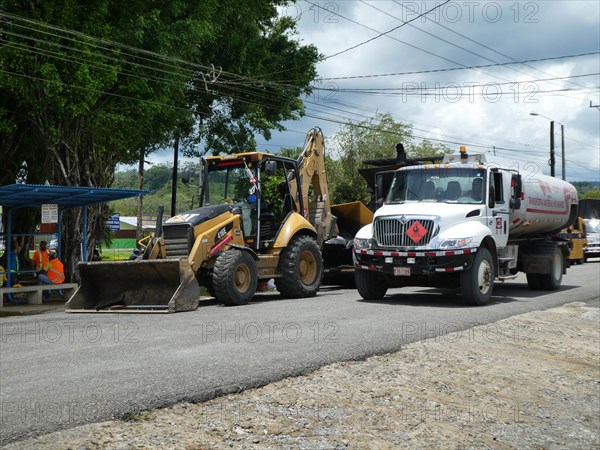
(60, 370)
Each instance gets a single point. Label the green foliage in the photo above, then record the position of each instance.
(372, 138)
(86, 86)
(587, 189)
(595, 193)
(270, 192)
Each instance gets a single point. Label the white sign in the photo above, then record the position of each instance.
(50, 213)
(114, 222)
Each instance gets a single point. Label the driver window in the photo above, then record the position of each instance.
(492, 193)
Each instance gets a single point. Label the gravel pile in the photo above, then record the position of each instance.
(531, 381)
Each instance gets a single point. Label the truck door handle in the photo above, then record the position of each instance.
(495, 213)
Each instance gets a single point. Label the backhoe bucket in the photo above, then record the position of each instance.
(158, 285)
(351, 217)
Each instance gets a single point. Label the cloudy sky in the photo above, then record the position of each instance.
(422, 73)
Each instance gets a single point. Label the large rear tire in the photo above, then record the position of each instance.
(234, 277)
(477, 283)
(534, 281)
(370, 284)
(301, 268)
(552, 281)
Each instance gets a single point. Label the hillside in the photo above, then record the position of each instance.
(157, 179)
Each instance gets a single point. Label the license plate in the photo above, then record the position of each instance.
(402, 271)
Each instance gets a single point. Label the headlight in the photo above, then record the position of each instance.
(455, 243)
(362, 244)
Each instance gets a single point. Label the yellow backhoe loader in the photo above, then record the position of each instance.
(261, 216)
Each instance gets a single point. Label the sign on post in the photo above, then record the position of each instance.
(114, 222)
(49, 213)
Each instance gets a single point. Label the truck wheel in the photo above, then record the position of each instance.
(371, 285)
(301, 268)
(534, 281)
(477, 283)
(551, 281)
(234, 277)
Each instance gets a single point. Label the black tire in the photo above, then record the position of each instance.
(580, 261)
(370, 285)
(206, 280)
(234, 277)
(534, 281)
(301, 268)
(477, 283)
(552, 281)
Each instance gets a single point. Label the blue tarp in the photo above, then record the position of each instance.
(33, 195)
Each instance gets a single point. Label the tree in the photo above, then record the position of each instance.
(591, 194)
(372, 138)
(85, 86)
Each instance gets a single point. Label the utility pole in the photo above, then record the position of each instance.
(174, 185)
(552, 160)
(562, 149)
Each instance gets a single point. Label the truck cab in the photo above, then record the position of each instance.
(455, 224)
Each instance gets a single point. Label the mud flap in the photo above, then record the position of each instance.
(160, 285)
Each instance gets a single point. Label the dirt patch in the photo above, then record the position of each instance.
(531, 381)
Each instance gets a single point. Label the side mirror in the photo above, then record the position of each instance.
(185, 176)
(270, 167)
(517, 191)
(379, 189)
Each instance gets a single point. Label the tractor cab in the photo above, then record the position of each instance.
(257, 187)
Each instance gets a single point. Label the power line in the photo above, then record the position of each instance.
(380, 34)
(449, 69)
(476, 42)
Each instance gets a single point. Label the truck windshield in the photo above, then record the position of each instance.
(453, 185)
(592, 225)
(228, 182)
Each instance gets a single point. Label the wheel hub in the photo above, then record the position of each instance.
(484, 277)
(307, 268)
(242, 278)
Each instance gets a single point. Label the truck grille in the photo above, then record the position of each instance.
(178, 240)
(391, 232)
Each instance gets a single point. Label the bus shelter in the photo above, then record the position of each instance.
(17, 196)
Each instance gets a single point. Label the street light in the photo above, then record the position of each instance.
(562, 144)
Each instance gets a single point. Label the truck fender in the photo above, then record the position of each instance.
(294, 224)
(245, 249)
(473, 229)
(489, 243)
(365, 232)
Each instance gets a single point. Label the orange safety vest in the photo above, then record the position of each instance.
(40, 258)
(55, 271)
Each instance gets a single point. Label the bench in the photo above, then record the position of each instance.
(34, 292)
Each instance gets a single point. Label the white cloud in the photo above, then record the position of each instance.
(517, 30)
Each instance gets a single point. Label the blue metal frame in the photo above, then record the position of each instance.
(17, 196)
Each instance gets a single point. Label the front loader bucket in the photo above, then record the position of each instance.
(158, 285)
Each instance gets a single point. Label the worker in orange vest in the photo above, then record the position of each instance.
(40, 257)
(52, 273)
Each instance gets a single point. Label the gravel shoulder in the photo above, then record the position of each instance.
(530, 381)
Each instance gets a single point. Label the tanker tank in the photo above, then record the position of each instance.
(547, 205)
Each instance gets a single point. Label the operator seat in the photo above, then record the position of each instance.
(453, 190)
(429, 190)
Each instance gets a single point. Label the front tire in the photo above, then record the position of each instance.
(234, 277)
(477, 283)
(370, 285)
(301, 268)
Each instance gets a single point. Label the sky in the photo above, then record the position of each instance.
(422, 73)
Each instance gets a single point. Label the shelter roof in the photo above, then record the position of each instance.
(33, 195)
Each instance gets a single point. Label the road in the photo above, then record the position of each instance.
(60, 370)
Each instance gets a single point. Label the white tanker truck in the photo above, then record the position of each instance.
(465, 223)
